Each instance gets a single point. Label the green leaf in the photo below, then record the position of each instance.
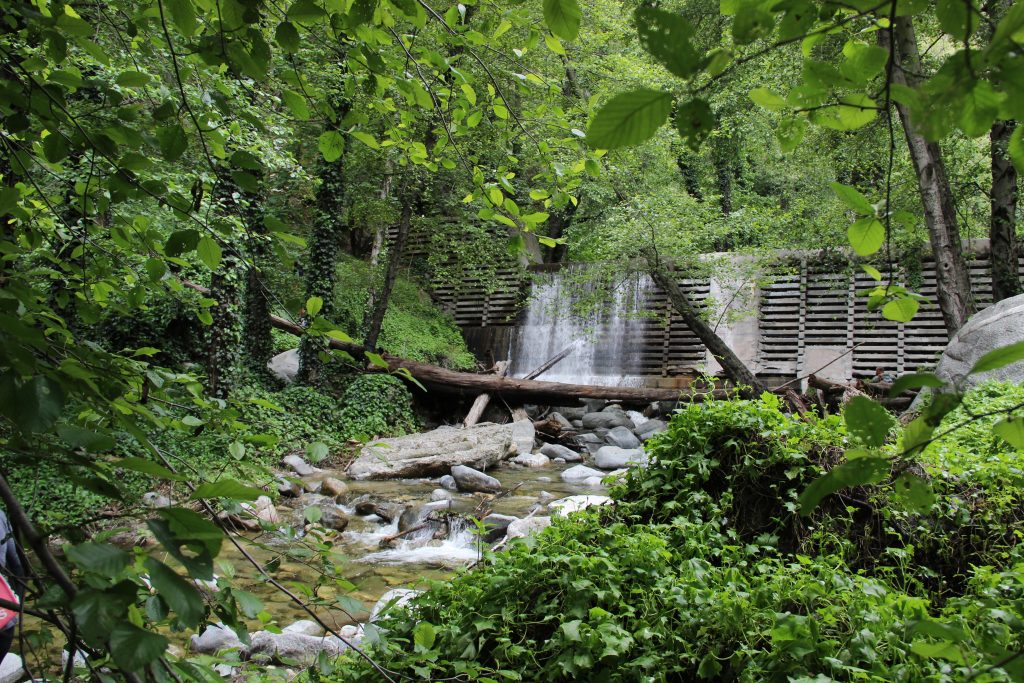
(571, 629)
(695, 121)
(180, 528)
(179, 594)
(98, 611)
(209, 252)
(98, 558)
(226, 488)
(287, 37)
(867, 421)
(998, 358)
(147, 467)
(629, 119)
(55, 148)
(33, 406)
(1016, 148)
(790, 133)
(766, 99)
(305, 10)
(134, 648)
(424, 635)
(915, 380)
(853, 199)
(183, 15)
(563, 18)
(866, 235)
(236, 449)
(313, 514)
(869, 470)
(78, 437)
(943, 650)
(901, 310)
(317, 451)
(132, 79)
(314, 305)
(376, 359)
(173, 141)
(332, 145)
(1011, 430)
(914, 493)
(667, 37)
(554, 44)
(751, 23)
(917, 435)
(958, 18)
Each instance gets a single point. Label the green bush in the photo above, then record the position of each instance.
(377, 405)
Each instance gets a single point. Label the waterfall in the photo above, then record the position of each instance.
(606, 335)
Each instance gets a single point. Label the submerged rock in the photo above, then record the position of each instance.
(622, 437)
(434, 453)
(579, 473)
(613, 457)
(440, 494)
(333, 517)
(469, 479)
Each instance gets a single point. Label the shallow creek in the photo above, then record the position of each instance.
(408, 562)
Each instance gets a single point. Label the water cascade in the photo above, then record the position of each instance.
(602, 321)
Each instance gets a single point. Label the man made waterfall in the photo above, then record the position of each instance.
(602, 321)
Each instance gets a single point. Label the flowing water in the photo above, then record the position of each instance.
(601, 323)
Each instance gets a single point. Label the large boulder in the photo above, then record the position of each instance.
(495, 526)
(996, 326)
(291, 646)
(523, 434)
(471, 480)
(285, 365)
(580, 473)
(622, 437)
(554, 450)
(606, 420)
(434, 453)
(648, 429)
(613, 457)
(215, 638)
(521, 528)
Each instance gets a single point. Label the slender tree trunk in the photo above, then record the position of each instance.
(256, 321)
(324, 247)
(954, 283)
(395, 254)
(224, 334)
(559, 222)
(734, 368)
(1003, 244)
(691, 181)
(722, 155)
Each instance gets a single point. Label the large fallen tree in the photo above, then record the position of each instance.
(453, 382)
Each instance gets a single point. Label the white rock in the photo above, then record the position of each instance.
(394, 598)
(469, 479)
(285, 365)
(613, 457)
(580, 473)
(80, 661)
(293, 646)
(531, 460)
(521, 528)
(998, 325)
(306, 627)
(11, 669)
(216, 637)
(564, 507)
(300, 466)
(555, 450)
(523, 434)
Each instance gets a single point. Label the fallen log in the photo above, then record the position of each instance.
(453, 382)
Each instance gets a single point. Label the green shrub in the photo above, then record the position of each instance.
(377, 405)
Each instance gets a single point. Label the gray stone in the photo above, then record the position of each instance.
(613, 457)
(215, 638)
(288, 488)
(297, 647)
(370, 505)
(80, 660)
(331, 486)
(588, 437)
(12, 669)
(152, 499)
(593, 405)
(298, 465)
(312, 485)
(521, 528)
(566, 506)
(622, 437)
(571, 412)
(994, 327)
(414, 516)
(579, 473)
(563, 422)
(434, 453)
(523, 435)
(440, 494)
(285, 365)
(263, 509)
(333, 517)
(558, 461)
(306, 627)
(578, 424)
(650, 428)
(393, 599)
(531, 460)
(594, 482)
(612, 408)
(469, 479)
(495, 526)
(448, 482)
(606, 420)
(554, 450)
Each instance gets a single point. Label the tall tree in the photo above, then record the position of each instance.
(1004, 247)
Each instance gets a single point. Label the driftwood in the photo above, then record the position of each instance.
(481, 402)
(453, 382)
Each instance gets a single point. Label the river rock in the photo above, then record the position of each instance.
(579, 473)
(593, 482)
(588, 437)
(571, 412)
(998, 325)
(152, 499)
(434, 453)
(306, 627)
(613, 457)
(298, 647)
(369, 505)
(613, 408)
(333, 517)
(298, 465)
(448, 482)
(531, 460)
(563, 422)
(440, 494)
(523, 435)
(521, 528)
(414, 516)
(288, 488)
(563, 507)
(263, 509)
(11, 669)
(80, 662)
(213, 639)
(606, 419)
(285, 365)
(650, 428)
(331, 486)
(496, 525)
(593, 405)
(622, 437)
(471, 480)
(393, 599)
(554, 450)
(312, 485)
(558, 461)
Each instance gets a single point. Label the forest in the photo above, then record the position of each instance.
(539, 340)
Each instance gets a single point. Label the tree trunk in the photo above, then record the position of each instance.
(734, 368)
(256, 321)
(1003, 245)
(954, 284)
(395, 254)
(224, 337)
(323, 250)
(483, 400)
